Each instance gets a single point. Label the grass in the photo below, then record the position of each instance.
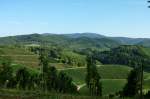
(114, 71)
(12, 50)
(78, 75)
(16, 67)
(113, 78)
(20, 55)
(109, 86)
(106, 72)
(147, 84)
(18, 94)
(146, 50)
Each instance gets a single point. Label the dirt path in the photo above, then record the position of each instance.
(71, 68)
(75, 68)
(80, 86)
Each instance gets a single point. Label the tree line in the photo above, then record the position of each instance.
(48, 79)
(133, 87)
(124, 55)
(59, 55)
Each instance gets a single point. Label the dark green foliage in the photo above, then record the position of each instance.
(52, 52)
(93, 77)
(147, 95)
(57, 55)
(6, 75)
(23, 78)
(124, 55)
(52, 78)
(132, 87)
(73, 59)
(65, 84)
(49, 78)
(43, 58)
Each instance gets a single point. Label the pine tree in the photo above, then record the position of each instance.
(132, 87)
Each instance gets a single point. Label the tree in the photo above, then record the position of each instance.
(52, 78)
(93, 77)
(132, 87)
(6, 72)
(43, 57)
(23, 78)
(65, 84)
(33, 81)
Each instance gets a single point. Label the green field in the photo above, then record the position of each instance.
(106, 72)
(23, 56)
(20, 55)
(146, 50)
(109, 86)
(113, 78)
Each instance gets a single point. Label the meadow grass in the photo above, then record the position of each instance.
(109, 86)
(106, 72)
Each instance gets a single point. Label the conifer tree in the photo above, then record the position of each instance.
(93, 78)
(132, 87)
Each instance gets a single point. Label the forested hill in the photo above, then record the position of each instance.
(86, 40)
(126, 55)
(75, 40)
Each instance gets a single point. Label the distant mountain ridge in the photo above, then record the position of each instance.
(74, 40)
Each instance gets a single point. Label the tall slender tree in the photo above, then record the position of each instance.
(93, 78)
(132, 87)
(43, 57)
(52, 78)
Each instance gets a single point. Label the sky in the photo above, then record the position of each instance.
(128, 18)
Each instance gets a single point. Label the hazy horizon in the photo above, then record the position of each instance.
(115, 18)
(74, 33)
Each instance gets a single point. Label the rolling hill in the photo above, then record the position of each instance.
(75, 40)
(126, 55)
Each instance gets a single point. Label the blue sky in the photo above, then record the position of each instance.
(130, 18)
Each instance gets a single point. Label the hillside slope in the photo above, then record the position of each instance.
(74, 40)
(126, 55)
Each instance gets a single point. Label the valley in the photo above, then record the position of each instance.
(114, 61)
